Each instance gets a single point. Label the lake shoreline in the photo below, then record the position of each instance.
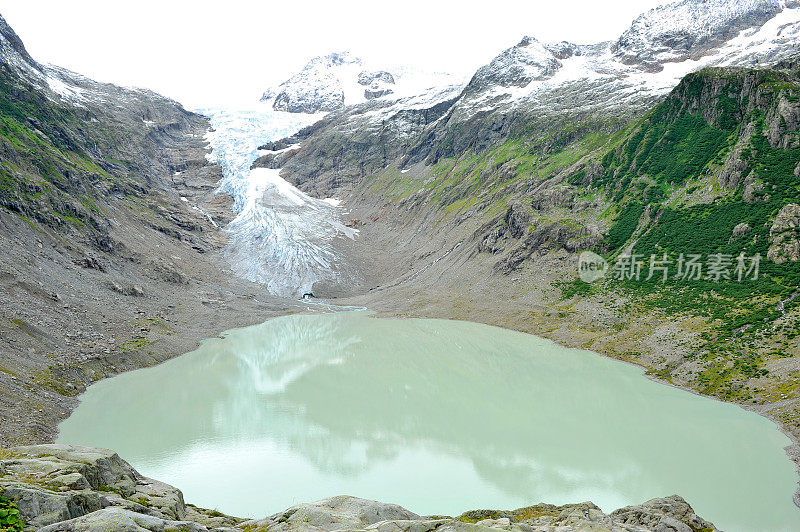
(237, 321)
(314, 337)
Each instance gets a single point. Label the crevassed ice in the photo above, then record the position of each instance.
(281, 237)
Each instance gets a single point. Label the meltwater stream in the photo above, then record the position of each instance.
(437, 416)
(280, 237)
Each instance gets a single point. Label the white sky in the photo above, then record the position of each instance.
(201, 52)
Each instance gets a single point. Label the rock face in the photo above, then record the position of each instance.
(785, 235)
(316, 88)
(516, 67)
(381, 76)
(316, 92)
(690, 28)
(327, 83)
(741, 230)
(62, 488)
(378, 83)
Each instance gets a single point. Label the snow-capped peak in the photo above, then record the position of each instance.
(518, 66)
(660, 47)
(690, 28)
(331, 82)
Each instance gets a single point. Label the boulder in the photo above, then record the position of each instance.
(741, 230)
(668, 513)
(125, 289)
(71, 481)
(100, 467)
(419, 526)
(335, 513)
(52, 483)
(121, 520)
(785, 235)
(577, 515)
(501, 522)
(40, 506)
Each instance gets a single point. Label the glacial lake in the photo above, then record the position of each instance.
(437, 416)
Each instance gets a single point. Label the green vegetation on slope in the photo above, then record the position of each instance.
(43, 171)
(674, 147)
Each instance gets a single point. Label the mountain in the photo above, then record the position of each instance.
(536, 86)
(334, 81)
(680, 137)
(109, 232)
(472, 200)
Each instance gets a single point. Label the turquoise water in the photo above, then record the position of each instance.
(437, 416)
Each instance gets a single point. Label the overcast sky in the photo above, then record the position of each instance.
(202, 52)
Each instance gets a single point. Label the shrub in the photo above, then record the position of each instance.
(10, 518)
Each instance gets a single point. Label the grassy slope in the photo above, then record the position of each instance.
(46, 173)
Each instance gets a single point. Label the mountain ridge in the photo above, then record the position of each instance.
(586, 83)
(109, 214)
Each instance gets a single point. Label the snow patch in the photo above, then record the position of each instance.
(70, 92)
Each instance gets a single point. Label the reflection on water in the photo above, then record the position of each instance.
(437, 416)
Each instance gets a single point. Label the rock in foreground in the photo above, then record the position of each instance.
(80, 489)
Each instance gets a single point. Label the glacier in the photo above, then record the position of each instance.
(280, 237)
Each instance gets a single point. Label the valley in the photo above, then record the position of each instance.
(133, 229)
